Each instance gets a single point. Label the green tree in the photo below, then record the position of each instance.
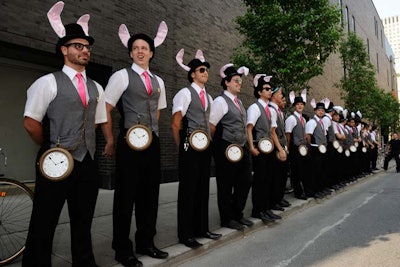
(289, 39)
(359, 88)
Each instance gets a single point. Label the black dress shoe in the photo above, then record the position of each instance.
(272, 215)
(285, 202)
(152, 252)
(129, 261)
(303, 197)
(277, 207)
(233, 225)
(264, 217)
(212, 236)
(191, 243)
(246, 222)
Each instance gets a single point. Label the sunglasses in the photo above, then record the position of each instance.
(202, 70)
(267, 88)
(79, 46)
(237, 80)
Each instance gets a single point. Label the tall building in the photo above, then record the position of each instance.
(392, 32)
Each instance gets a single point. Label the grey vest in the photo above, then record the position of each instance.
(263, 125)
(66, 116)
(298, 132)
(318, 136)
(196, 117)
(233, 123)
(280, 130)
(331, 132)
(137, 105)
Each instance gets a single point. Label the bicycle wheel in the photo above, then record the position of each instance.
(15, 211)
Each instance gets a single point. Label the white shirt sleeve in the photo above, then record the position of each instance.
(219, 108)
(290, 123)
(101, 113)
(181, 101)
(39, 96)
(116, 86)
(310, 126)
(253, 113)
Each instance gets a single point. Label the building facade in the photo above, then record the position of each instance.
(27, 51)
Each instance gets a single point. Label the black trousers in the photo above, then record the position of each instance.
(374, 156)
(389, 158)
(301, 181)
(233, 182)
(193, 194)
(318, 176)
(137, 184)
(279, 179)
(262, 189)
(80, 190)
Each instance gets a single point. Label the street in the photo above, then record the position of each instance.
(359, 227)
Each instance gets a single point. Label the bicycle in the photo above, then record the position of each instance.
(16, 201)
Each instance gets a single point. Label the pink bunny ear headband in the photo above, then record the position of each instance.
(127, 39)
(80, 29)
(199, 60)
(256, 79)
(301, 98)
(229, 70)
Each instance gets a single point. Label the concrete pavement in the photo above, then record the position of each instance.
(166, 237)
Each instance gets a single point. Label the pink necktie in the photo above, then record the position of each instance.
(302, 120)
(202, 99)
(268, 112)
(148, 82)
(81, 89)
(237, 103)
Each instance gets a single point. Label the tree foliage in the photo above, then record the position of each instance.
(288, 39)
(359, 87)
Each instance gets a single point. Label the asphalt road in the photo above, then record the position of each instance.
(359, 227)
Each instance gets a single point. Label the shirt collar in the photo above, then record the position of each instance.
(197, 88)
(71, 73)
(229, 94)
(263, 103)
(136, 68)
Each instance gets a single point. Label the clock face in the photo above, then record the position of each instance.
(234, 153)
(56, 164)
(139, 137)
(266, 146)
(322, 149)
(200, 140)
(303, 150)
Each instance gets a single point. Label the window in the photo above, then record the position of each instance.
(354, 23)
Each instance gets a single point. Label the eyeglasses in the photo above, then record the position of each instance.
(237, 80)
(202, 70)
(267, 88)
(79, 46)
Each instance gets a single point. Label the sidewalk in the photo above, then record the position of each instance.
(166, 237)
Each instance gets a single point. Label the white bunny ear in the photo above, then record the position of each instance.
(304, 95)
(124, 35)
(359, 114)
(326, 102)
(55, 20)
(200, 56)
(291, 97)
(222, 70)
(255, 80)
(179, 59)
(312, 103)
(353, 115)
(345, 113)
(243, 70)
(338, 109)
(83, 21)
(161, 34)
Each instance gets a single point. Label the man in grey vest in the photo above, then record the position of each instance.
(228, 127)
(261, 125)
(280, 164)
(316, 139)
(140, 95)
(49, 125)
(191, 110)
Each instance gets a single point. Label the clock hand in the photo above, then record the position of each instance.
(52, 160)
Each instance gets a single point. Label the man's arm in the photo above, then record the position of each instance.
(34, 129)
(108, 133)
(176, 126)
